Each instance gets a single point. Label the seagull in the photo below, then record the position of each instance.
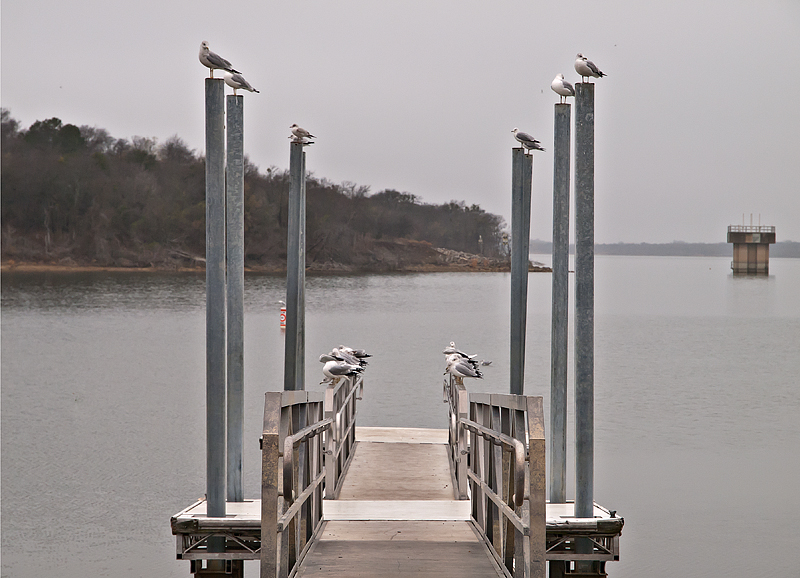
(462, 369)
(334, 369)
(452, 349)
(346, 357)
(562, 87)
(486, 361)
(300, 133)
(237, 81)
(213, 60)
(456, 358)
(587, 68)
(527, 140)
(360, 353)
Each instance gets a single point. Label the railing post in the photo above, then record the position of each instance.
(270, 447)
(537, 487)
(462, 411)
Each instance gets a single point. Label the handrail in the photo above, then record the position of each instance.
(340, 406)
(516, 447)
(292, 474)
(289, 444)
(496, 449)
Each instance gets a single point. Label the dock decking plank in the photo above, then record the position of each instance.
(398, 549)
(398, 471)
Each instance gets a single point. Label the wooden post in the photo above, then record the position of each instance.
(270, 447)
(537, 488)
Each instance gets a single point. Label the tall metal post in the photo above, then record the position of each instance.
(521, 175)
(294, 361)
(560, 313)
(584, 301)
(234, 184)
(215, 302)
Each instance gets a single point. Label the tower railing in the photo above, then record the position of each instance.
(751, 229)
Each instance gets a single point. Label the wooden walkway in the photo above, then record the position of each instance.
(395, 515)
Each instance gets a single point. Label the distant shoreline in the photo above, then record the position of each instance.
(780, 249)
(23, 267)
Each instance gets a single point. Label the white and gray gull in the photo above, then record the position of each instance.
(334, 368)
(462, 368)
(527, 140)
(587, 68)
(300, 134)
(562, 88)
(236, 81)
(214, 61)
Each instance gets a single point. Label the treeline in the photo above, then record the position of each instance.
(77, 193)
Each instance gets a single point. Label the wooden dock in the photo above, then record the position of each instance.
(396, 506)
(464, 501)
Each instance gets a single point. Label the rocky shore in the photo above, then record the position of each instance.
(397, 255)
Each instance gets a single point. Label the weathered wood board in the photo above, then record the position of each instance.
(398, 549)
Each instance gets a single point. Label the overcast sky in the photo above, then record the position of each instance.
(697, 122)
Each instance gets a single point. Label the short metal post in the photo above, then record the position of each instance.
(521, 175)
(584, 304)
(294, 364)
(215, 302)
(560, 312)
(235, 292)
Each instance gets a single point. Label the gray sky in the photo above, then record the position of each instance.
(697, 122)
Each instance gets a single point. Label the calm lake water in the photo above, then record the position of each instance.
(697, 403)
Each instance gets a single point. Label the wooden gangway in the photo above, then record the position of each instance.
(341, 500)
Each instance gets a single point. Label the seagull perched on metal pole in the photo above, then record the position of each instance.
(562, 88)
(212, 60)
(527, 140)
(587, 68)
(237, 81)
(301, 135)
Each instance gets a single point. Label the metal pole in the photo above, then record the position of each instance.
(560, 313)
(300, 372)
(294, 361)
(215, 302)
(584, 300)
(234, 184)
(521, 175)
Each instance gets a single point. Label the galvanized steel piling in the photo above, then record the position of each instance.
(234, 184)
(521, 175)
(294, 360)
(215, 303)
(560, 312)
(584, 301)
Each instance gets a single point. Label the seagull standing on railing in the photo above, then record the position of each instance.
(360, 353)
(335, 369)
(459, 368)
